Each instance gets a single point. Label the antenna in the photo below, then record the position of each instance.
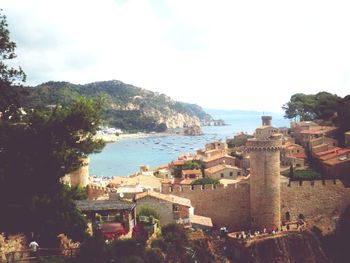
(121, 195)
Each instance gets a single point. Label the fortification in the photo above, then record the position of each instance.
(266, 120)
(265, 209)
(80, 177)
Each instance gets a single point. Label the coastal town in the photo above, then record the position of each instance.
(228, 142)
(221, 187)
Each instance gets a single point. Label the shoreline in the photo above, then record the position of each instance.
(109, 138)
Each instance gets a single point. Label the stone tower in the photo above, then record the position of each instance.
(80, 177)
(265, 210)
(266, 120)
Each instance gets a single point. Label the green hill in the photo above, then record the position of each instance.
(128, 107)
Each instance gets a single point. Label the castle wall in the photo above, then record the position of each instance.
(226, 206)
(328, 198)
(80, 177)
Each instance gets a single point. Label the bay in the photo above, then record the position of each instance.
(124, 157)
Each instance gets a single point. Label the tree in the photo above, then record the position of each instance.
(146, 210)
(35, 154)
(205, 180)
(9, 76)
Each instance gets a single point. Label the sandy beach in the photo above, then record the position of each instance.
(114, 138)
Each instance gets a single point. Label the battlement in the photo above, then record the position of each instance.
(201, 188)
(263, 145)
(316, 183)
(96, 187)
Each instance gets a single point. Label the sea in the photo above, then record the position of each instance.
(124, 157)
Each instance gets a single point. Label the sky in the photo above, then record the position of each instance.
(220, 54)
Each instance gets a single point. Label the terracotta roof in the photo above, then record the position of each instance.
(201, 220)
(178, 162)
(337, 161)
(330, 150)
(169, 198)
(335, 154)
(100, 205)
(299, 155)
(189, 172)
(218, 168)
(319, 130)
(215, 157)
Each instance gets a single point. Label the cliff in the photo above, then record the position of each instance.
(294, 247)
(128, 107)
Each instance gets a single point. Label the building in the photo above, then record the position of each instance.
(265, 208)
(116, 218)
(171, 208)
(223, 171)
(217, 145)
(191, 174)
(79, 177)
(210, 161)
(293, 154)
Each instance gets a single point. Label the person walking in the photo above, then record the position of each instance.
(34, 247)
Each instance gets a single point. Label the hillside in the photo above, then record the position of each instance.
(292, 247)
(128, 107)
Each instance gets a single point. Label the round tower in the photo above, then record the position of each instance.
(266, 120)
(80, 177)
(265, 201)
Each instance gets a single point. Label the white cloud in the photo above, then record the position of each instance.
(220, 54)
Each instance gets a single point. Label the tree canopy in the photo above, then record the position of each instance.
(9, 76)
(323, 106)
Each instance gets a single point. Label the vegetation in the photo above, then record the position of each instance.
(38, 147)
(172, 246)
(239, 140)
(129, 107)
(205, 180)
(192, 165)
(146, 210)
(323, 106)
(305, 174)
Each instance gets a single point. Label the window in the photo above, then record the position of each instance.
(222, 175)
(238, 173)
(231, 173)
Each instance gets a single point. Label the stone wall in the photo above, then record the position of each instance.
(313, 199)
(95, 192)
(226, 206)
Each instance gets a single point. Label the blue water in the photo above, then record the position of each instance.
(125, 156)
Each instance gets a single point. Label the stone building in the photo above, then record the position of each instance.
(79, 177)
(265, 210)
(172, 209)
(223, 171)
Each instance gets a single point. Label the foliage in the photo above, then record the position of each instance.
(146, 210)
(129, 107)
(192, 165)
(11, 244)
(205, 180)
(305, 174)
(47, 145)
(175, 238)
(324, 106)
(76, 193)
(239, 140)
(9, 76)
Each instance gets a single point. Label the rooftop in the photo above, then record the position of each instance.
(189, 172)
(220, 167)
(201, 220)
(178, 162)
(100, 205)
(319, 130)
(169, 198)
(215, 157)
(337, 153)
